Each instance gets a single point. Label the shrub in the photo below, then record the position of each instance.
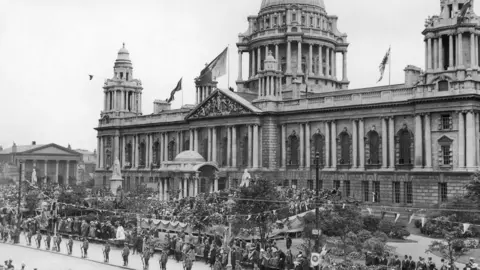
(458, 245)
(393, 230)
(370, 223)
(364, 235)
(418, 224)
(381, 235)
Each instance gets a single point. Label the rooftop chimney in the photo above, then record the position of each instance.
(34, 143)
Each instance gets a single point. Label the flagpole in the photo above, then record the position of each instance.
(228, 58)
(390, 66)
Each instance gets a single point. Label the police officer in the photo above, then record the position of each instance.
(39, 239)
(125, 254)
(29, 237)
(85, 247)
(59, 241)
(47, 241)
(70, 245)
(106, 252)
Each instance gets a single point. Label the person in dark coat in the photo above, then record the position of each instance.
(206, 251)
(288, 242)
(213, 256)
(406, 263)
(413, 265)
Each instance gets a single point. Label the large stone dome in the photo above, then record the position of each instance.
(269, 3)
(189, 156)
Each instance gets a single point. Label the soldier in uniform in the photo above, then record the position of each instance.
(70, 245)
(164, 259)
(47, 241)
(59, 241)
(29, 238)
(54, 240)
(125, 254)
(85, 247)
(106, 251)
(39, 239)
(146, 258)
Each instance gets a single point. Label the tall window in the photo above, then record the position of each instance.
(405, 143)
(310, 184)
(286, 183)
(446, 155)
(336, 184)
(442, 192)
(156, 153)
(294, 183)
(205, 148)
(366, 191)
(104, 181)
(344, 148)
(293, 143)
(396, 192)
(317, 147)
(186, 145)
(128, 183)
(224, 151)
(244, 152)
(143, 154)
(128, 154)
(171, 150)
(376, 192)
(294, 17)
(408, 186)
(203, 185)
(446, 122)
(373, 147)
(346, 187)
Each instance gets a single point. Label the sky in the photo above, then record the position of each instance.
(48, 48)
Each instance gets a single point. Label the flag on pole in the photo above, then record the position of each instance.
(214, 70)
(463, 11)
(177, 88)
(383, 64)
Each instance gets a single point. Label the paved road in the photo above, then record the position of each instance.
(43, 259)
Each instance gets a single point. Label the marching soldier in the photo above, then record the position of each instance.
(29, 237)
(54, 240)
(70, 245)
(125, 253)
(47, 241)
(39, 239)
(146, 258)
(59, 241)
(85, 247)
(106, 252)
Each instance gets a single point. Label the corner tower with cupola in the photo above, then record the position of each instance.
(305, 43)
(123, 93)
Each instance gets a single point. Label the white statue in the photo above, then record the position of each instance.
(120, 233)
(34, 177)
(245, 179)
(117, 172)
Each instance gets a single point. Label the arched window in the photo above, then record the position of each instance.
(143, 154)
(156, 153)
(171, 150)
(292, 150)
(344, 143)
(224, 149)
(244, 148)
(405, 144)
(373, 151)
(318, 144)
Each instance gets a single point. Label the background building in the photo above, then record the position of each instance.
(415, 143)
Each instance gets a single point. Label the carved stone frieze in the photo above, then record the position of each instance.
(219, 105)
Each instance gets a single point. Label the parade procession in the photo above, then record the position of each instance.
(307, 161)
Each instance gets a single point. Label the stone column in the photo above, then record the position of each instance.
(310, 59)
(344, 58)
(259, 59)
(308, 151)
(214, 144)
(180, 188)
(266, 52)
(327, 55)
(99, 151)
(250, 135)
(473, 53)
(471, 139)
(234, 146)
(391, 142)
(299, 57)
(195, 188)
(209, 146)
(283, 137)
(124, 146)
(166, 188)
(302, 144)
(277, 57)
(450, 51)
(384, 143)
(361, 140)
(320, 61)
(460, 51)
(429, 53)
(435, 54)
(185, 187)
(160, 190)
(327, 145)
(418, 142)
(255, 146)
(289, 57)
(56, 171)
(46, 168)
(67, 172)
(240, 76)
(440, 54)
(215, 185)
(229, 146)
(428, 142)
(116, 145)
(334, 63)
(354, 143)
(334, 145)
(165, 145)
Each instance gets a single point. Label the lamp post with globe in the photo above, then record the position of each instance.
(230, 204)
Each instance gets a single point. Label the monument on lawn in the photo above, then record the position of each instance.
(245, 179)
(34, 177)
(116, 181)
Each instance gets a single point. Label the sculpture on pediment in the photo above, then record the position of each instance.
(219, 105)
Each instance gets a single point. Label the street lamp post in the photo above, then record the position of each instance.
(230, 204)
(317, 191)
(19, 188)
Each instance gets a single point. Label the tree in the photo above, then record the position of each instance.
(448, 248)
(473, 188)
(259, 200)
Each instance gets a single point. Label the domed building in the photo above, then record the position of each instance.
(410, 144)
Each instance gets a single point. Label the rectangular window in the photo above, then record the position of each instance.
(376, 191)
(408, 186)
(396, 192)
(310, 184)
(284, 19)
(442, 192)
(366, 191)
(346, 186)
(303, 20)
(294, 17)
(294, 183)
(275, 20)
(318, 22)
(104, 181)
(142, 180)
(128, 182)
(446, 122)
(286, 183)
(336, 184)
(150, 179)
(446, 155)
(311, 21)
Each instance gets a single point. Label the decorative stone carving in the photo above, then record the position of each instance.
(219, 105)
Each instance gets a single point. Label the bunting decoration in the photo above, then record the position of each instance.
(465, 227)
(397, 216)
(411, 218)
(383, 214)
(369, 211)
(423, 222)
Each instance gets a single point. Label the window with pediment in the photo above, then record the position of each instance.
(317, 146)
(172, 149)
(405, 146)
(128, 154)
(156, 153)
(373, 147)
(142, 154)
(344, 148)
(293, 147)
(445, 156)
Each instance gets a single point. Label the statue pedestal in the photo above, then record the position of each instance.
(115, 182)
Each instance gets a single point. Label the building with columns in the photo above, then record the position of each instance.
(414, 143)
(52, 163)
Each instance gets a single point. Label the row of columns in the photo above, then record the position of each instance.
(57, 171)
(270, 86)
(188, 187)
(435, 51)
(330, 60)
(122, 100)
(203, 92)
(467, 129)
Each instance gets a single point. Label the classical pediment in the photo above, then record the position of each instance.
(52, 149)
(222, 103)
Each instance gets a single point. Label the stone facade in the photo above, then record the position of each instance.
(415, 143)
